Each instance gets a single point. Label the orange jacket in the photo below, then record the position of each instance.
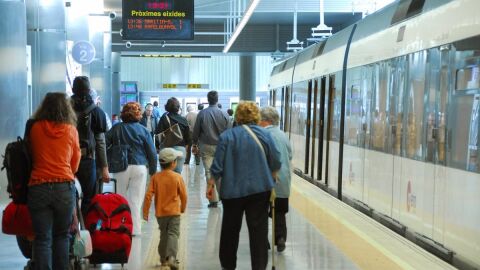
(55, 152)
(170, 194)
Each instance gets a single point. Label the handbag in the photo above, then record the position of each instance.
(16, 220)
(171, 136)
(117, 156)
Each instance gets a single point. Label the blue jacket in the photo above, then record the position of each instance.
(141, 149)
(240, 166)
(282, 188)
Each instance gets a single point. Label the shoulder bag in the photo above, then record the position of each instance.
(171, 136)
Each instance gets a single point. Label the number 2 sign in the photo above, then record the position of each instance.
(83, 52)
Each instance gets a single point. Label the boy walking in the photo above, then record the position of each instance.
(170, 201)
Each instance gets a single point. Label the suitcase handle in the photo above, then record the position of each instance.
(100, 186)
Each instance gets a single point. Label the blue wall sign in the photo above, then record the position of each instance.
(83, 52)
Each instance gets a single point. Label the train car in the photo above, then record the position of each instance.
(385, 115)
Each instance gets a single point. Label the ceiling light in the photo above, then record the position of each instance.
(243, 22)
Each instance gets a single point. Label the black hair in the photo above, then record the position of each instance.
(212, 97)
(219, 105)
(166, 165)
(200, 106)
(173, 105)
(155, 103)
(230, 112)
(81, 86)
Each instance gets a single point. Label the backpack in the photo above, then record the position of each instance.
(17, 161)
(84, 128)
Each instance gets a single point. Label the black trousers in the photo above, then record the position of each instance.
(281, 209)
(256, 210)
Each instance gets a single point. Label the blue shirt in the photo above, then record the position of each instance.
(282, 188)
(141, 150)
(240, 166)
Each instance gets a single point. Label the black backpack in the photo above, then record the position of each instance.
(84, 128)
(17, 160)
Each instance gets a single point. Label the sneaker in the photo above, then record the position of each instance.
(213, 205)
(281, 244)
(172, 263)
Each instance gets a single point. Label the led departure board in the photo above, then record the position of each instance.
(157, 19)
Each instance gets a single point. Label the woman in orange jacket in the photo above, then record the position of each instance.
(51, 194)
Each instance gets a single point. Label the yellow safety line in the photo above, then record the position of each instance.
(362, 253)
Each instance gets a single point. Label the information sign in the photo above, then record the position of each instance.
(83, 52)
(158, 19)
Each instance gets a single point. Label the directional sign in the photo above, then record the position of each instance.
(83, 52)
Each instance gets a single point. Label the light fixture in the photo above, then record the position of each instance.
(241, 24)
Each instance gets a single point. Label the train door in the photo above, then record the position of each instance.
(308, 128)
(315, 133)
(330, 134)
(286, 109)
(321, 153)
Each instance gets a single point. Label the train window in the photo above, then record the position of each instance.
(407, 9)
(468, 78)
(378, 108)
(415, 105)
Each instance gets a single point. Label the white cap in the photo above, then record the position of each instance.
(168, 155)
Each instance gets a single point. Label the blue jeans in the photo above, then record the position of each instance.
(87, 176)
(51, 207)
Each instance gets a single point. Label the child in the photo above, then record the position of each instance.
(170, 201)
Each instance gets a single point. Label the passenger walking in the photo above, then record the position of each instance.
(149, 120)
(191, 118)
(51, 193)
(141, 156)
(245, 160)
(270, 120)
(91, 127)
(210, 123)
(171, 118)
(156, 110)
(170, 196)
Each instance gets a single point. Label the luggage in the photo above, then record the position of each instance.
(82, 242)
(17, 160)
(110, 224)
(16, 220)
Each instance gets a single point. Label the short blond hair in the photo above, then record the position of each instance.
(247, 113)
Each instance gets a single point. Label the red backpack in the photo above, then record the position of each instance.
(110, 224)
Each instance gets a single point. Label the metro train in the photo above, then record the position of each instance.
(385, 115)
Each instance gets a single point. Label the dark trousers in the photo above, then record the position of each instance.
(87, 176)
(189, 155)
(256, 210)
(281, 209)
(51, 209)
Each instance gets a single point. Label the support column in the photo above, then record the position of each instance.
(47, 38)
(247, 78)
(116, 82)
(14, 98)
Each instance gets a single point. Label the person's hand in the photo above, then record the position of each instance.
(210, 189)
(195, 149)
(105, 175)
(145, 217)
(275, 176)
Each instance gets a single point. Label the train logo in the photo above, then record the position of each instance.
(411, 199)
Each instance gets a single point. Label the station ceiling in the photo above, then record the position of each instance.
(267, 31)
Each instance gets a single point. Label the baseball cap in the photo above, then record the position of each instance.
(168, 155)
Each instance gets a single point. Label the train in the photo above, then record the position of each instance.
(385, 115)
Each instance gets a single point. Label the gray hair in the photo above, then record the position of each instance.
(270, 114)
(190, 108)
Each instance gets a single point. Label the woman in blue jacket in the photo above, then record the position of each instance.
(141, 156)
(245, 160)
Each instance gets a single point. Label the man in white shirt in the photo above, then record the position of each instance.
(191, 118)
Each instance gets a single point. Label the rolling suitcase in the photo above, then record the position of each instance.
(110, 224)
